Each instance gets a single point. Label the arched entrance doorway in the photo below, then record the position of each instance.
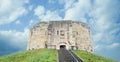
(62, 46)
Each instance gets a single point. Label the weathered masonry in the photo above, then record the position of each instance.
(72, 35)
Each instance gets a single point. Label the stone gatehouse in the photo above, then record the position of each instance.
(72, 35)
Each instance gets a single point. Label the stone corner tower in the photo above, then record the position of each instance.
(72, 35)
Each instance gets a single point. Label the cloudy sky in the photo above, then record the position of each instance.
(103, 17)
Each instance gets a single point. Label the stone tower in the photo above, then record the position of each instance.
(72, 35)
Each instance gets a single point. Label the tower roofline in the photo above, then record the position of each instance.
(73, 21)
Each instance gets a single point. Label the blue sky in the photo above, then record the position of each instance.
(103, 17)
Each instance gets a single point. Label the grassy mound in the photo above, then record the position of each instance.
(50, 55)
(41, 55)
(89, 57)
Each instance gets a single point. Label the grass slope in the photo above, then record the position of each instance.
(89, 57)
(49, 55)
(41, 55)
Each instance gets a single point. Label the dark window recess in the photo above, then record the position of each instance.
(32, 48)
(45, 45)
(72, 47)
(62, 46)
(57, 32)
(61, 37)
(70, 25)
(77, 33)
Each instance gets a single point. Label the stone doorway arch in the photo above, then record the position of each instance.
(62, 45)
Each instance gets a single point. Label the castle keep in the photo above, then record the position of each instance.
(72, 35)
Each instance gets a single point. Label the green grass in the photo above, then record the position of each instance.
(89, 57)
(50, 55)
(41, 55)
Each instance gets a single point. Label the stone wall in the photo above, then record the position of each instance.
(82, 37)
(38, 36)
(54, 34)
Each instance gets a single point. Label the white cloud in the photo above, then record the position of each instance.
(67, 3)
(98, 36)
(18, 22)
(77, 10)
(105, 14)
(30, 7)
(31, 22)
(15, 38)
(46, 15)
(39, 11)
(100, 47)
(11, 10)
(51, 1)
(17, 13)
(114, 45)
(51, 16)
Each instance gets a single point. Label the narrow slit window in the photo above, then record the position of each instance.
(57, 32)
